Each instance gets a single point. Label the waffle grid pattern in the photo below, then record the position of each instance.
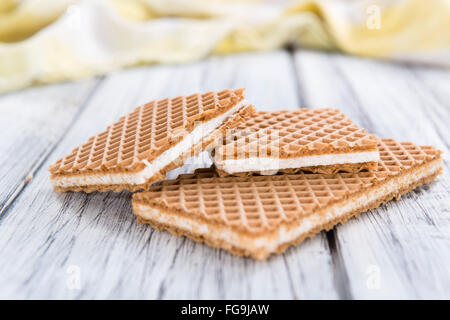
(256, 204)
(294, 133)
(145, 133)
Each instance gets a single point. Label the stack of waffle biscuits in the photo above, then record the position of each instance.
(278, 177)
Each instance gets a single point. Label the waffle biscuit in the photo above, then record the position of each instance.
(260, 215)
(329, 169)
(316, 140)
(155, 138)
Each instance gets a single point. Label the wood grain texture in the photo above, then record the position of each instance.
(43, 234)
(400, 250)
(32, 122)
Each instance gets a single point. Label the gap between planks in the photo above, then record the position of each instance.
(123, 259)
(405, 240)
(340, 275)
(40, 159)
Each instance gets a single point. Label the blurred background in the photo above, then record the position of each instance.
(46, 41)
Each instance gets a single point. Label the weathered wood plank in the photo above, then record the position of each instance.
(32, 121)
(44, 233)
(401, 249)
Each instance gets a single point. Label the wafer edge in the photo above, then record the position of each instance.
(261, 253)
(221, 106)
(328, 169)
(367, 144)
(208, 142)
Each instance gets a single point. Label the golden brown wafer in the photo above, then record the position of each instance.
(315, 140)
(330, 169)
(260, 215)
(143, 146)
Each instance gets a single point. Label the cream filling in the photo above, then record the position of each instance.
(152, 168)
(269, 164)
(262, 246)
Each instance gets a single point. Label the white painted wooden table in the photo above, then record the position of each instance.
(401, 250)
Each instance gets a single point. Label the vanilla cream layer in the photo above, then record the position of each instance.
(262, 246)
(152, 168)
(269, 164)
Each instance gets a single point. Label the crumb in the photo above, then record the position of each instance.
(29, 177)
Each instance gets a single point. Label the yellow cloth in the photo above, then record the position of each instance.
(44, 41)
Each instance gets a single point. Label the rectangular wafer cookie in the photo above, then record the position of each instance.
(155, 138)
(257, 216)
(315, 140)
